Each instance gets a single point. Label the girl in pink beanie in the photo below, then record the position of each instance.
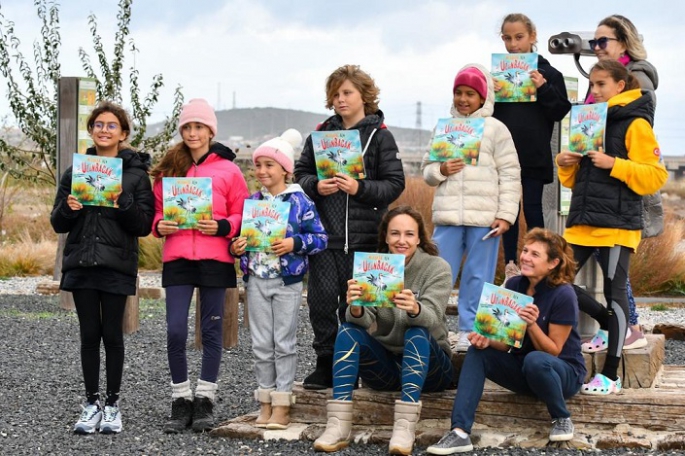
(198, 258)
(274, 280)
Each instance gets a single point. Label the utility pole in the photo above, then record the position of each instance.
(418, 125)
(234, 99)
(218, 96)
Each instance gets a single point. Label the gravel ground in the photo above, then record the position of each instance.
(41, 387)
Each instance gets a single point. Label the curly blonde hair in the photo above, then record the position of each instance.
(360, 80)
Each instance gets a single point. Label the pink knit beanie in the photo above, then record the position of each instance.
(472, 77)
(281, 149)
(198, 110)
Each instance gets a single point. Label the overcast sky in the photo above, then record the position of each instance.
(278, 54)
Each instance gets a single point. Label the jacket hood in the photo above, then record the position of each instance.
(130, 158)
(632, 103)
(220, 151)
(647, 68)
(489, 106)
(374, 120)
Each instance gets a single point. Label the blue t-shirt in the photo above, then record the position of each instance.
(558, 305)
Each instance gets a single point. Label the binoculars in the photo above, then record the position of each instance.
(577, 43)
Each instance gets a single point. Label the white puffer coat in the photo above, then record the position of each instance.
(478, 195)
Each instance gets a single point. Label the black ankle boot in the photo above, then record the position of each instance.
(181, 416)
(203, 414)
(322, 377)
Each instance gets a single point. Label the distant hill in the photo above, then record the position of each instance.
(252, 126)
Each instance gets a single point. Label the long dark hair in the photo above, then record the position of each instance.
(425, 242)
(617, 72)
(118, 112)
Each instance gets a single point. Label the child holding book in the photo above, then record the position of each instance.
(408, 351)
(474, 205)
(549, 365)
(350, 209)
(100, 263)
(274, 279)
(531, 125)
(198, 258)
(606, 206)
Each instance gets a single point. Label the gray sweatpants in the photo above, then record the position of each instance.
(273, 310)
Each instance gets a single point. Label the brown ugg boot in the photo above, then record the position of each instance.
(280, 410)
(263, 396)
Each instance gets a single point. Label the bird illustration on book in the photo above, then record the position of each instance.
(457, 140)
(264, 226)
(378, 282)
(187, 204)
(95, 182)
(588, 130)
(515, 79)
(502, 315)
(338, 158)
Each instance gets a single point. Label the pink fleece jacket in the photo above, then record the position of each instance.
(229, 192)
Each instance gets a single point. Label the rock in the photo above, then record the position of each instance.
(670, 331)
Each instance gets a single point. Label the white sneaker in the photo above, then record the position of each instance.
(111, 420)
(463, 343)
(90, 419)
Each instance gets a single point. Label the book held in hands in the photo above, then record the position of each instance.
(96, 180)
(497, 315)
(587, 127)
(264, 221)
(512, 72)
(336, 152)
(457, 137)
(381, 277)
(187, 200)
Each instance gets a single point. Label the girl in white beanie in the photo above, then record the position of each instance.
(274, 279)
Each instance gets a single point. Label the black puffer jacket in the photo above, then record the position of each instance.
(106, 237)
(356, 226)
(598, 198)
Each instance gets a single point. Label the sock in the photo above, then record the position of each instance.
(181, 390)
(112, 399)
(461, 434)
(92, 398)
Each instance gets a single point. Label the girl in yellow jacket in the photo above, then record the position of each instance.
(606, 207)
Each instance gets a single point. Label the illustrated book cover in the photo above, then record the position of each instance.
(264, 222)
(512, 71)
(338, 152)
(497, 315)
(187, 200)
(96, 180)
(457, 138)
(381, 276)
(587, 127)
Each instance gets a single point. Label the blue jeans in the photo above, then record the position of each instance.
(455, 242)
(423, 366)
(538, 374)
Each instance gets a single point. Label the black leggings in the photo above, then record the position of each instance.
(614, 262)
(101, 317)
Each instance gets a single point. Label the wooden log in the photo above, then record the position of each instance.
(230, 323)
(131, 321)
(657, 409)
(66, 300)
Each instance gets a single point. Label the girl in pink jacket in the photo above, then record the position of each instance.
(198, 257)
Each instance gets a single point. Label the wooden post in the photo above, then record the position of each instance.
(246, 313)
(131, 321)
(230, 323)
(67, 144)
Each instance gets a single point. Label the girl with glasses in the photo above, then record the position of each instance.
(100, 263)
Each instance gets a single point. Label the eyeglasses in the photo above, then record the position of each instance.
(111, 126)
(601, 42)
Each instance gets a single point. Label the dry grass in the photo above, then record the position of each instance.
(675, 187)
(418, 195)
(28, 256)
